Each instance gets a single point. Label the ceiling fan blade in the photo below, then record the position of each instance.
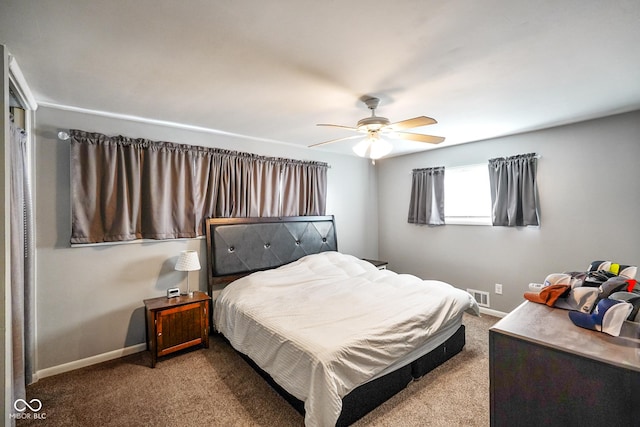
(419, 137)
(337, 126)
(335, 140)
(413, 123)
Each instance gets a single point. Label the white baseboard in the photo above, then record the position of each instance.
(490, 312)
(98, 358)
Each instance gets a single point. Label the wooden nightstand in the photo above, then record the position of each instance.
(382, 265)
(176, 323)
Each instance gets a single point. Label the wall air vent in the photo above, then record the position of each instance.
(482, 298)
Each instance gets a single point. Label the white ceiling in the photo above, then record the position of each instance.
(274, 69)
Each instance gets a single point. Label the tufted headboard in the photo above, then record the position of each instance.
(239, 246)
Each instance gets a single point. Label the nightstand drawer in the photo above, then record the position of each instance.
(180, 327)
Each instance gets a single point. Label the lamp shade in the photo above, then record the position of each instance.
(188, 261)
(373, 147)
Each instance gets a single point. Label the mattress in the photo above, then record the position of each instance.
(329, 322)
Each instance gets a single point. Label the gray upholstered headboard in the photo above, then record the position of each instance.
(239, 246)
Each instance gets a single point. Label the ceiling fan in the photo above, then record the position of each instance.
(373, 146)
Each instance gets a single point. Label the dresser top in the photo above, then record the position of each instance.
(161, 303)
(552, 327)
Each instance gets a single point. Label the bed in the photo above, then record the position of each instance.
(332, 333)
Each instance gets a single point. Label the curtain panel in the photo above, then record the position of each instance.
(427, 196)
(304, 189)
(126, 189)
(21, 292)
(514, 193)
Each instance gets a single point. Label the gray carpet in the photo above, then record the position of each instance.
(216, 387)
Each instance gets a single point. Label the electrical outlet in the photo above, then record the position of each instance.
(498, 289)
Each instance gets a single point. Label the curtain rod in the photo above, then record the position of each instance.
(64, 136)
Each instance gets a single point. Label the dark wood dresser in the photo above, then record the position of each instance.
(544, 370)
(174, 324)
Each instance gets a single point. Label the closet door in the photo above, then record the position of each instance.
(17, 287)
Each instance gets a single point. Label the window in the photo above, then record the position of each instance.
(467, 195)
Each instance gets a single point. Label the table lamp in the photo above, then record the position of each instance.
(188, 261)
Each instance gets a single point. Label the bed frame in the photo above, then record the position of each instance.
(240, 246)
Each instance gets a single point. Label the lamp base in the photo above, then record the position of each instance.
(189, 292)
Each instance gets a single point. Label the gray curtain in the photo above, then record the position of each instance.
(304, 189)
(22, 289)
(427, 196)
(514, 193)
(126, 189)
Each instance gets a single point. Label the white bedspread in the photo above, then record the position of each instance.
(344, 321)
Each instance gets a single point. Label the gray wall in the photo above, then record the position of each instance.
(588, 181)
(89, 300)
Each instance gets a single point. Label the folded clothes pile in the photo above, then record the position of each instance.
(601, 298)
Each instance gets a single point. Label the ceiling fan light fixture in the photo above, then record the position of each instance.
(373, 147)
(373, 123)
(376, 126)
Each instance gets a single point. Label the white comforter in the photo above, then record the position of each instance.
(344, 321)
